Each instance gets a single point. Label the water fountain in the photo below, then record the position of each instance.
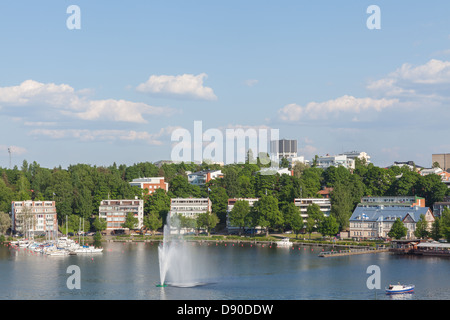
(177, 260)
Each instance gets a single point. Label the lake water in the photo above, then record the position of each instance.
(130, 271)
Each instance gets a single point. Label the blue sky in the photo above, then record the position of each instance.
(114, 90)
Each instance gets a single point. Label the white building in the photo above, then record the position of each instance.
(304, 203)
(34, 217)
(376, 222)
(335, 161)
(357, 155)
(273, 170)
(190, 207)
(392, 201)
(298, 159)
(115, 212)
(202, 177)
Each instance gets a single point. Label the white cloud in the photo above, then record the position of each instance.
(105, 135)
(181, 86)
(427, 81)
(251, 82)
(65, 100)
(321, 110)
(434, 71)
(15, 150)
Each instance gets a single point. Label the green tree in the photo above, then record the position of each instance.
(153, 221)
(431, 188)
(207, 221)
(421, 228)
(398, 230)
(180, 188)
(292, 218)
(62, 192)
(445, 224)
(99, 224)
(267, 213)
(157, 203)
(131, 222)
(435, 232)
(5, 222)
(239, 215)
(329, 226)
(310, 226)
(6, 196)
(284, 163)
(219, 201)
(341, 205)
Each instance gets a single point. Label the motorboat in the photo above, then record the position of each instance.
(400, 288)
(87, 249)
(57, 252)
(285, 242)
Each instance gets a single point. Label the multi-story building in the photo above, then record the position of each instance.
(190, 207)
(274, 170)
(439, 207)
(34, 217)
(445, 176)
(443, 159)
(356, 154)
(376, 222)
(283, 149)
(335, 161)
(202, 177)
(115, 212)
(392, 201)
(150, 184)
(299, 159)
(303, 204)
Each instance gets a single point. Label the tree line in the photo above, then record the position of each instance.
(78, 189)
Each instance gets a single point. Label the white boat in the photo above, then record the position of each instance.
(285, 242)
(400, 288)
(57, 252)
(87, 249)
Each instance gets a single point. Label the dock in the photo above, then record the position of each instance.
(350, 252)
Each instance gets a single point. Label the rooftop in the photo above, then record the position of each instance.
(383, 213)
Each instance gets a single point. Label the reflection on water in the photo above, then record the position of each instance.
(131, 271)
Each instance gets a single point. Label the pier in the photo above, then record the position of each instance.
(350, 252)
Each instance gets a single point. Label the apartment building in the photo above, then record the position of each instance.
(283, 149)
(190, 207)
(439, 207)
(335, 161)
(392, 201)
(357, 154)
(202, 177)
(303, 204)
(115, 212)
(443, 159)
(150, 184)
(34, 217)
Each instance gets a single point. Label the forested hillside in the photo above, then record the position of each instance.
(79, 189)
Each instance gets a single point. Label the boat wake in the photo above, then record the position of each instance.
(186, 284)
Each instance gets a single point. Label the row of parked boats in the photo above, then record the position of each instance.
(60, 247)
